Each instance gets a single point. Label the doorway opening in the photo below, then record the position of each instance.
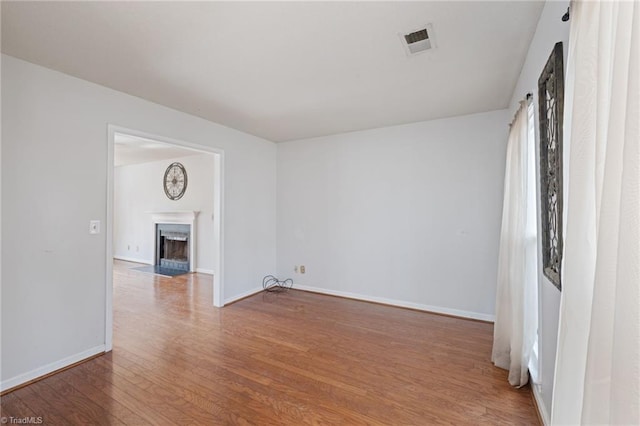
(147, 224)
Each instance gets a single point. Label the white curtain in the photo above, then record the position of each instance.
(597, 379)
(515, 327)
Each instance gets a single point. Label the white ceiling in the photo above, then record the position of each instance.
(285, 70)
(129, 150)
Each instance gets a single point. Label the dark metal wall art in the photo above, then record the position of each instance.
(551, 106)
(175, 181)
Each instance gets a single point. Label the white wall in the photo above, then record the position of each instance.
(550, 30)
(138, 191)
(54, 180)
(406, 214)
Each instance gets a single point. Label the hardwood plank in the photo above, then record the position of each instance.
(84, 384)
(288, 358)
(123, 393)
(12, 407)
(73, 412)
(42, 408)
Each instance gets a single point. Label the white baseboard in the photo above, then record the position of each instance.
(400, 303)
(133, 259)
(204, 271)
(544, 415)
(49, 368)
(242, 295)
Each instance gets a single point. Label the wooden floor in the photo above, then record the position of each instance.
(292, 358)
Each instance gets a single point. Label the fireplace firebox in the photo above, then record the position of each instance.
(172, 246)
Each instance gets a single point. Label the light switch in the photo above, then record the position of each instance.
(94, 227)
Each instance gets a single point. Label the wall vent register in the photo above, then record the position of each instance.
(418, 41)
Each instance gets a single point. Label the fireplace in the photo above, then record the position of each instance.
(172, 246)
(175, 239)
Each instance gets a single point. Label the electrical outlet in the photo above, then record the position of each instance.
(129, 247)
(295, 269)
(302, 269)
(94, 226)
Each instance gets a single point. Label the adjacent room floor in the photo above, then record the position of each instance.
(290, 358)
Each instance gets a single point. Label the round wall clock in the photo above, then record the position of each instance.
(175, 181)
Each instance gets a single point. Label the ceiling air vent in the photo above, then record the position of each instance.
(418, 41)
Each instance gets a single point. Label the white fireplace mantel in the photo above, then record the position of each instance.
(184, 217)
(179, 216)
